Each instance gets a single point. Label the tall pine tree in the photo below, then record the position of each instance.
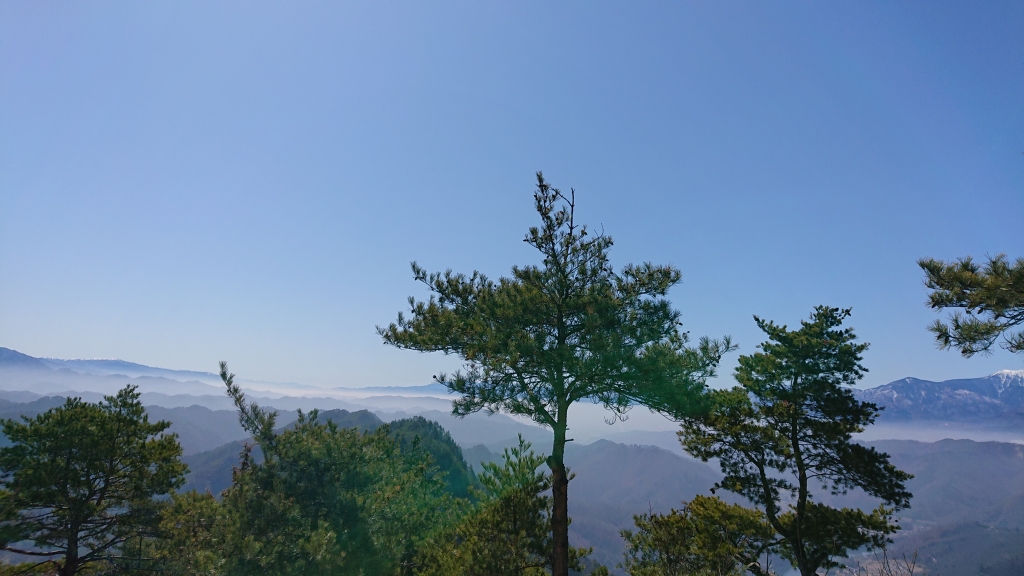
(81, 479)
(571, 329)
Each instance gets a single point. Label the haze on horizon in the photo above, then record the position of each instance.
(186, 182)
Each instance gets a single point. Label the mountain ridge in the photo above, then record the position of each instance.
(994, 402)
(997, 398)
(11, 359)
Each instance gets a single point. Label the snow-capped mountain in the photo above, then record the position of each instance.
(997, 396)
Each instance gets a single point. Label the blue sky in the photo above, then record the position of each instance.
(185, 182)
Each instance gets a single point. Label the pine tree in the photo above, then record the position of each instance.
(706, 537)
(785, 432)
(508, 531)
(327, 500)
(991, 298)
(569, 330)
(80, 479)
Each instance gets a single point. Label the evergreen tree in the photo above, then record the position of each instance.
(706, 538)
(81, 479)
(508, 532)
(192, 536)
(785, 431)
(569, 330)
(991, 298)
(327, 500)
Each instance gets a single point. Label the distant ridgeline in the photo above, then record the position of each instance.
(24, 378)
(47, 376)
(996, 400)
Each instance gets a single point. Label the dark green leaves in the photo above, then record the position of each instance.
(707, 536)
(991, 298)
(570, 329)
(786, 432)
(567, 330)
(81, 478)
(328, 500)
(508, 530)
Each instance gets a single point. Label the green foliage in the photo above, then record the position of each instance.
(991, 297)
(418, 433)
(706, 538)
(568, 330)
(508, 532)
(786, 430)
(81, 479)
(33, 569)
(323, 500)
(255, 420)
(192, 536)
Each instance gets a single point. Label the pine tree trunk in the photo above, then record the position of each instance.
(70, 567)
(560, 506)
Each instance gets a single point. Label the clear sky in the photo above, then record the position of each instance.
(185, 182)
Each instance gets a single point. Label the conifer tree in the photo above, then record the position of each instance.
(989, 302)
(80, 479)
(193, 536)
(326, 500)
(508, 531)
(785, 433)
(571, 329)
(707, 536)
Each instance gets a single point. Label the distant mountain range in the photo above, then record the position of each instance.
(997, 399)
(24, 378)
(994, 402)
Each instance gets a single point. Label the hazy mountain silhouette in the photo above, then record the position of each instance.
(995, 401)
(968, 549)
(91, 379)
(199, 429)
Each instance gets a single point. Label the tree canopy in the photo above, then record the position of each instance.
(323, 500)
(785, 432)
(571, 329)
(79, 480)
(988, 302)
(707, 536)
